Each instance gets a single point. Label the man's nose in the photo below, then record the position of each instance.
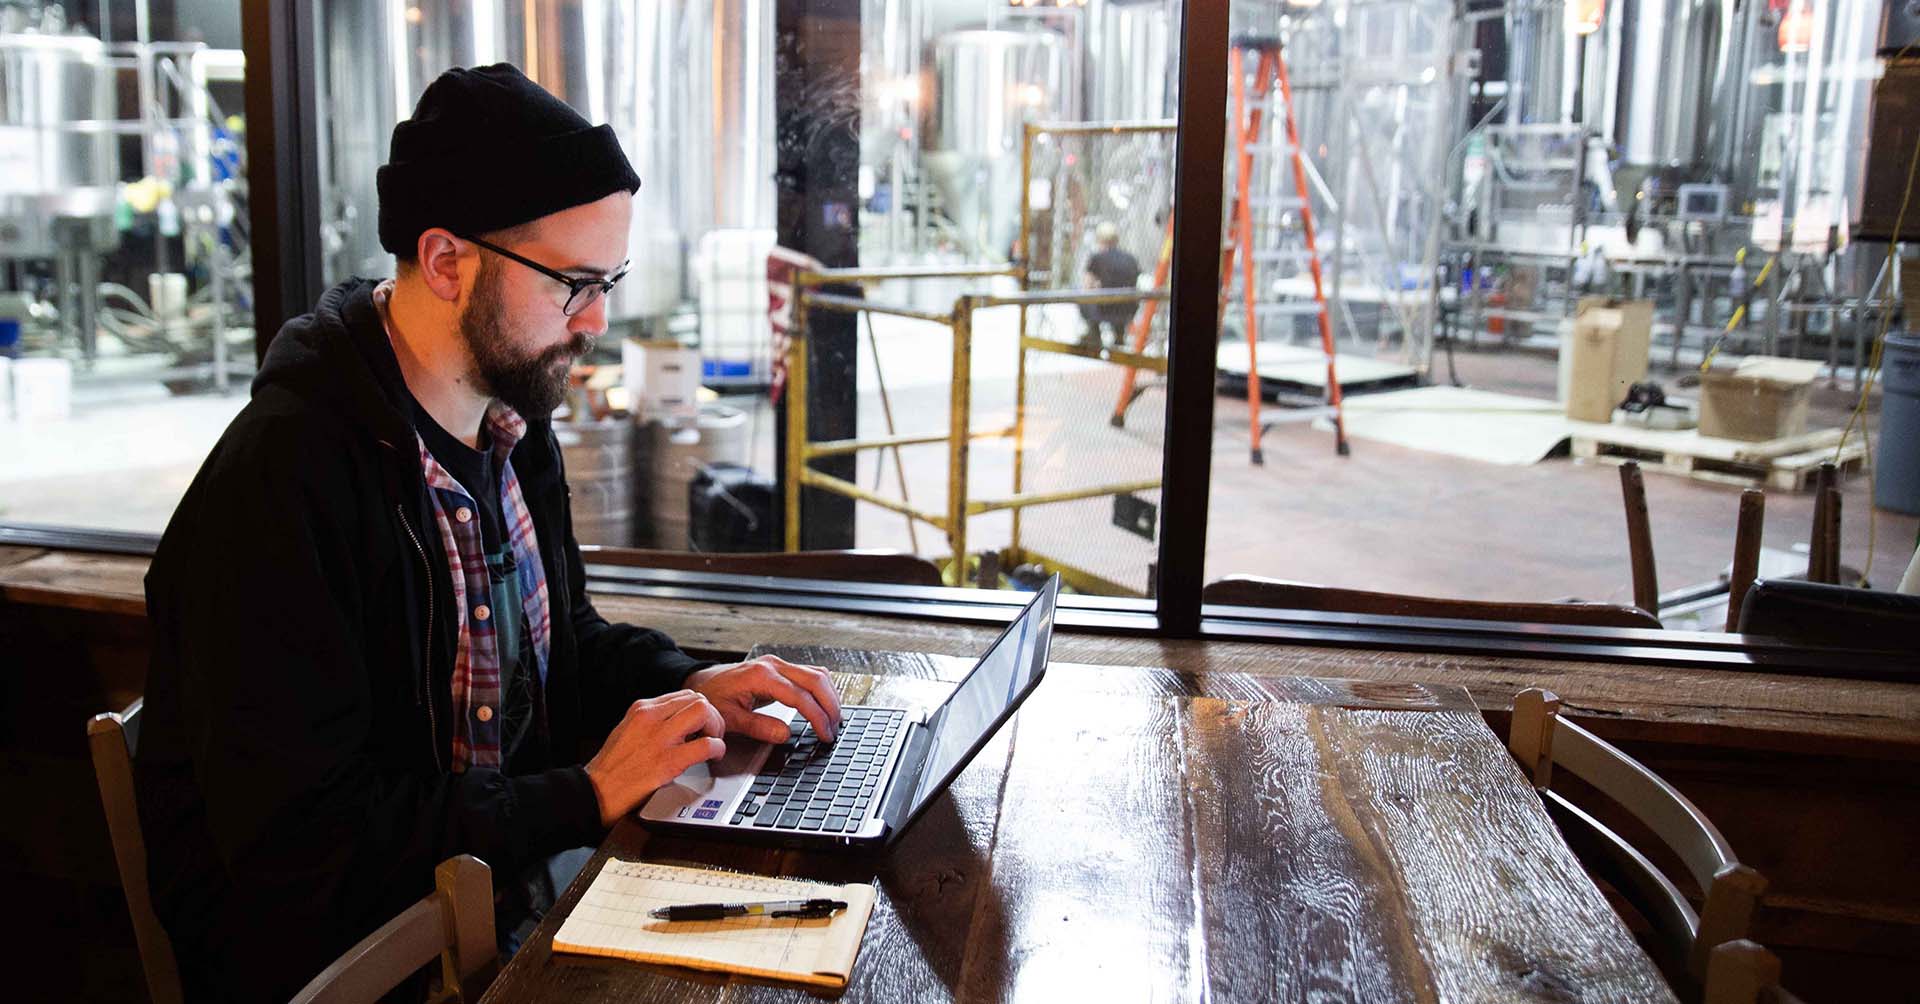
(592, 321)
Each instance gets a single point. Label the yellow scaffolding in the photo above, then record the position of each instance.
(960, 433)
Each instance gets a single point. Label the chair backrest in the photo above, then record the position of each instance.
(112, 738)
(1542, 741)
(1814, 613)
(454, 922)
(895, 567)
(1258, 591)
(1743, 972)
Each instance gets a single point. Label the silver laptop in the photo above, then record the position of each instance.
(882, 771)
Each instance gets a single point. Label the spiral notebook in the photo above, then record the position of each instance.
(611, 920)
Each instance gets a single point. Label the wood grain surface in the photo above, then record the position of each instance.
(1150, 840)
(1788, 767)
(1154, 681)
(100, 582)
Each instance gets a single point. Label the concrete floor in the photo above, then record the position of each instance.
(1385, 518)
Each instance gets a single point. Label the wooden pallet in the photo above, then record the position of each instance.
(1781, 464)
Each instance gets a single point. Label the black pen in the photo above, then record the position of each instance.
(804, 909)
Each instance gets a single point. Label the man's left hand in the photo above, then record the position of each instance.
(736, 690)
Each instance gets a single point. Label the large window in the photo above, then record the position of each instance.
(1013, 288)
(1507, 235)
(125, 320)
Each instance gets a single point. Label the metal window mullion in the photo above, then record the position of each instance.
(1193, 320)
(280, 40)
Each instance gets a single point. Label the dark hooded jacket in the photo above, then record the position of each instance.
(293, 768)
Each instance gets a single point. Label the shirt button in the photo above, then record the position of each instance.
(462, 515)
(483, 713)
(481, 612)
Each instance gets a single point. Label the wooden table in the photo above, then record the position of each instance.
(1789, 767)
(1138, 835)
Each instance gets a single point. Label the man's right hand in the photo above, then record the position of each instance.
(657, 739)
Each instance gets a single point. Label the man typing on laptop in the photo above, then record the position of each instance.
(373, 647)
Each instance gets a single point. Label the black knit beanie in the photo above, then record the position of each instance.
(488, 149)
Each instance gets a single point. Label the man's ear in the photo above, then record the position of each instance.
(439, 257)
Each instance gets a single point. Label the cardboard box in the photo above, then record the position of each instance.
(1605, 353)
(1763, 398)
(662, 377)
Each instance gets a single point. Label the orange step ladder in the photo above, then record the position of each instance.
(1248, 120)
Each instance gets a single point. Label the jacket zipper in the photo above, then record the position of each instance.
(433, 720)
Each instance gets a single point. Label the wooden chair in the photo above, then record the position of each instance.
(893, 567)
(455, 922)
(1646, 582)
(1742, 972)
(1258, 591)
(112, 738)
(1541, 740)
(1746, 552)
(1823, 553)
(1815, 613)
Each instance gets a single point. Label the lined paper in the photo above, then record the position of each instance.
(612, 920)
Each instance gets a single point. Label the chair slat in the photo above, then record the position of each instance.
(112, 738)
(453, 923)
(381, 960)
(1671, 816)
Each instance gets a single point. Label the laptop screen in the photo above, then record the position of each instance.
(987, 694)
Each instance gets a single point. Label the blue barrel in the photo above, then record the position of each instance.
(1896, 457)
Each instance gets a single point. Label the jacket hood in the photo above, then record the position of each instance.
(338, 357)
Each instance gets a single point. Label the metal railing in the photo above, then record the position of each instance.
(960, 434)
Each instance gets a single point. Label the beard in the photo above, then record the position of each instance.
(532, 384)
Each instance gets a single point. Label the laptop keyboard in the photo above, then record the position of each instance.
(810, 785)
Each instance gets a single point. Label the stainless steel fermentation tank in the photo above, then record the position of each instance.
(58, 159)
(686, 86)
(1658, 81)
(58, 162)
(988, 83)
(1674, 77)
(1132, 64)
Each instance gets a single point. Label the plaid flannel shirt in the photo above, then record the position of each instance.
(476, 667)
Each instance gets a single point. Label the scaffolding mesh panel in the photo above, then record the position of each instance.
(1071, 444)
(1082, 179)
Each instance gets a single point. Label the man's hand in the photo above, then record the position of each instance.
(738, 689)
(656, 740)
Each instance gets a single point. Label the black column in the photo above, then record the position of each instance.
(283, 180)
(816, 99)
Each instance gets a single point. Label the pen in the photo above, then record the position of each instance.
(805, 909)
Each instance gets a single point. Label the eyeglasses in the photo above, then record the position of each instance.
(581, 292)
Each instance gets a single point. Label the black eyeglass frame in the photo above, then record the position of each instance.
(575, 285)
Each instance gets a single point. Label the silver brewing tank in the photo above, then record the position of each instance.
(987, 84)
(686, 86)
(57, 154)
(1134, 68)
(1542, 56)
(1674, 77)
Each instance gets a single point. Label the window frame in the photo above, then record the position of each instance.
(282, 103)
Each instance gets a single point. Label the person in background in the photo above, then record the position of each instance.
(372, 643)
(1109, 267)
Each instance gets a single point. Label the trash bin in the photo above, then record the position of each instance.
(1896, 458)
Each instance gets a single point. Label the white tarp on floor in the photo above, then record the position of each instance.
(1474, 424)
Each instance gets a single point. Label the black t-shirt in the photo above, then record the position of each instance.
(521, 717)
(1114, 268)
